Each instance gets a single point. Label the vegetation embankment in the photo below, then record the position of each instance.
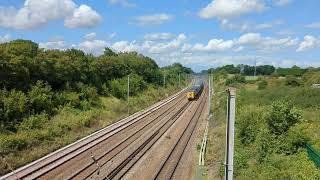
(50, 98)
(276, 117)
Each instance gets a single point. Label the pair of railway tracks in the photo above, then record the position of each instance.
(111, 152)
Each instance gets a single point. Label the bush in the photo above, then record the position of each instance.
(66, 98)
(282, 116)
(235, 79)
(311, 77)
(14, 106)
(34, 122)
(10, 143)
(292, 81)
(40, 98)
(262, 84)
(248, 123)
(88, 94)
(118, 88)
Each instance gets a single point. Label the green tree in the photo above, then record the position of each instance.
(108, 52)
(282, 116)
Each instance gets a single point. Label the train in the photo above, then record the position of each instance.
(195, 91)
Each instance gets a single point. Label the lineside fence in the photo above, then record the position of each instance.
(313, 155)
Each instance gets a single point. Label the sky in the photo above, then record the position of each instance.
(198, 34)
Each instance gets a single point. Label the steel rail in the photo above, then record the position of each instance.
(67, 150)
(122, 142)
(172, 119)
(179, 141)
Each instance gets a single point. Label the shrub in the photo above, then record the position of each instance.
(248, 123)
(10, 143)
(282, 116)
(14, 108)
(262, 84)
(292, 81)
(118, 88)
(311, 77)
(40, 98)
(235, 79)
(34, 122)
(66, 98)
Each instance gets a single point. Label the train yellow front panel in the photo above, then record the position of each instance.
(190, 95)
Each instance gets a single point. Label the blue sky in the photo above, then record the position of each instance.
(198, 34)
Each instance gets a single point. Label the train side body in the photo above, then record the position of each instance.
(195, 91)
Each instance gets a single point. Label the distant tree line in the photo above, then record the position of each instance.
(260, 70)
(36, 81)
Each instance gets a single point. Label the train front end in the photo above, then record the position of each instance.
(191, 95)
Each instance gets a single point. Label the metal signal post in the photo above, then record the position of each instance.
(179, 81)
(231, 111)
(128, 94)
(164, 80)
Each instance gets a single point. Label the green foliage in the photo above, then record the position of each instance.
(249, 123)
(293, 71)
(41, 98)
(49, 98)
(271, 134)
(118, 88)
(265, 70)
(13, 107)
(235, 79)
(311, 77)
(109, 52)
(292, 81)
(35, 81)
(262, 84)
(282, 116)
(34, 122)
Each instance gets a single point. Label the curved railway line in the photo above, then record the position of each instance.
(111, 152)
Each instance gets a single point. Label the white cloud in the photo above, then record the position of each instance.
(272, 44)
(123, 3)
(83, 16)
(215, 52)
(5, 38)
(238, 49)
(250, 38)
(125, 46)
(308, 43)
(54, 44)
(255, 40)
(282, 2)
(285, 32)
(225, 9)
(152, 19)
(94, 46)
(90, 36)
(36, 13)
(247, 26)
(214, 45)
(315, 25)
(158, 36)
(165, 47)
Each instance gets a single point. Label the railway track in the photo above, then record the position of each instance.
(111, 152)
(168, 167)
(50, 162)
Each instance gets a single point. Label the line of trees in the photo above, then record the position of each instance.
(35, 81)
(260, 70)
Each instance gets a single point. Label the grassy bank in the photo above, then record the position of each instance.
(273, 125)
(67, 126)
(216, 134)
(274, 121)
